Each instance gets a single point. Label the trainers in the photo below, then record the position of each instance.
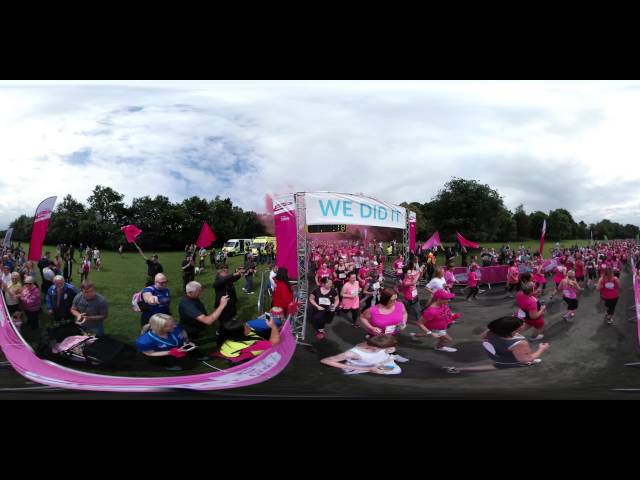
(539, 337)
(400, 358)
(610, 321)
(451, 369)
(447, 349)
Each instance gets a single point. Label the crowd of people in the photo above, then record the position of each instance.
(376, 293)
(350, 282)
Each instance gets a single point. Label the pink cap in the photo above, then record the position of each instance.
(443, 295)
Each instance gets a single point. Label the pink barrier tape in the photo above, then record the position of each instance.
(636, 292)
(26, 363)
(493, 274)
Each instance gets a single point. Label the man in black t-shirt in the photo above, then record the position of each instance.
(193, 316)
(153, 266)
(223, 285)
(188, 267)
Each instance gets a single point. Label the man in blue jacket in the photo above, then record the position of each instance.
(60, 299)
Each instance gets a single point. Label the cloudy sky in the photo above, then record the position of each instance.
(544, 144)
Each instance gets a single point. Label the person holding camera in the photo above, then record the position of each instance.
(188, 268)
(165, 342)
(224, 286)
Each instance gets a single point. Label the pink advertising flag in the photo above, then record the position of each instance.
(433, 241)
(207, 237)
(40, 225)
(131, 232)
(466, 243)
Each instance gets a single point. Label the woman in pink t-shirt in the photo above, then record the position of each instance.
(436, 319)
(409, 286)
(449, 277)
(561, 274)
(570, 288)
(323, 271)
(472, 282)
(609, 287)
(388, 317)
(397, 266)
(351, 298)
(513, 278)
(530, 310)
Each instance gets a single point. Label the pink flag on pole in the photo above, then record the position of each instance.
(544, 230)
(207, 237)
(466, 243)
(412, 232)
(40, 225)
(131, 232)
(433, 241)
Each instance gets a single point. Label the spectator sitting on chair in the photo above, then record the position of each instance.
(243, 343)
(157, 297)
(260, 324)
(90, 310)
(193, 315)
(165, 342)
(60, 299)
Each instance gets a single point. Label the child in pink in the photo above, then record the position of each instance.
(436, 319)
(472, 282)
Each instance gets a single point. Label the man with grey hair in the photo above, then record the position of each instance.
(90, 310)
(59, 300)
(193, 316)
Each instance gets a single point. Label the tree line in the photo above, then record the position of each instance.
(474, 209)
(478, 212)
(165, 225)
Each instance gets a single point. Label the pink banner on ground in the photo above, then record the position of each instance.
(284, 218)
(412, 232)
(27, 364)
(434, 241)
(40, 225)
(493, 274)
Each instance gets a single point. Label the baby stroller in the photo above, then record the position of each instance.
(70, 343)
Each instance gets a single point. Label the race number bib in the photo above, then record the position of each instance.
(342, 275)
(609, 285)
(324, 301)
(390, 330)
(414, 293)
(399, 270)
(354, 291)
(376, 286)
(521, 314)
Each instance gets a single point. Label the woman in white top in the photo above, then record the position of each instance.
(436, 283)
(373, 356)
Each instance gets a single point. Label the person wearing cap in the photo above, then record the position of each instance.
(243, 343)
(30, 302)
(193, 315)
(260, 324)
(437, 318)
(153, 266)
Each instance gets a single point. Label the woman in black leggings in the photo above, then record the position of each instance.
(322, 302)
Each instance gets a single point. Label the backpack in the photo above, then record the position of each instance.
(137, 302)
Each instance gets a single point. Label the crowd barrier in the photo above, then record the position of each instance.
(636, 292)
(486, 275)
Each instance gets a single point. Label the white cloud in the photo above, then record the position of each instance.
(393, 140)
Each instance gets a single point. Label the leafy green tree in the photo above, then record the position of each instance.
(523, 224)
